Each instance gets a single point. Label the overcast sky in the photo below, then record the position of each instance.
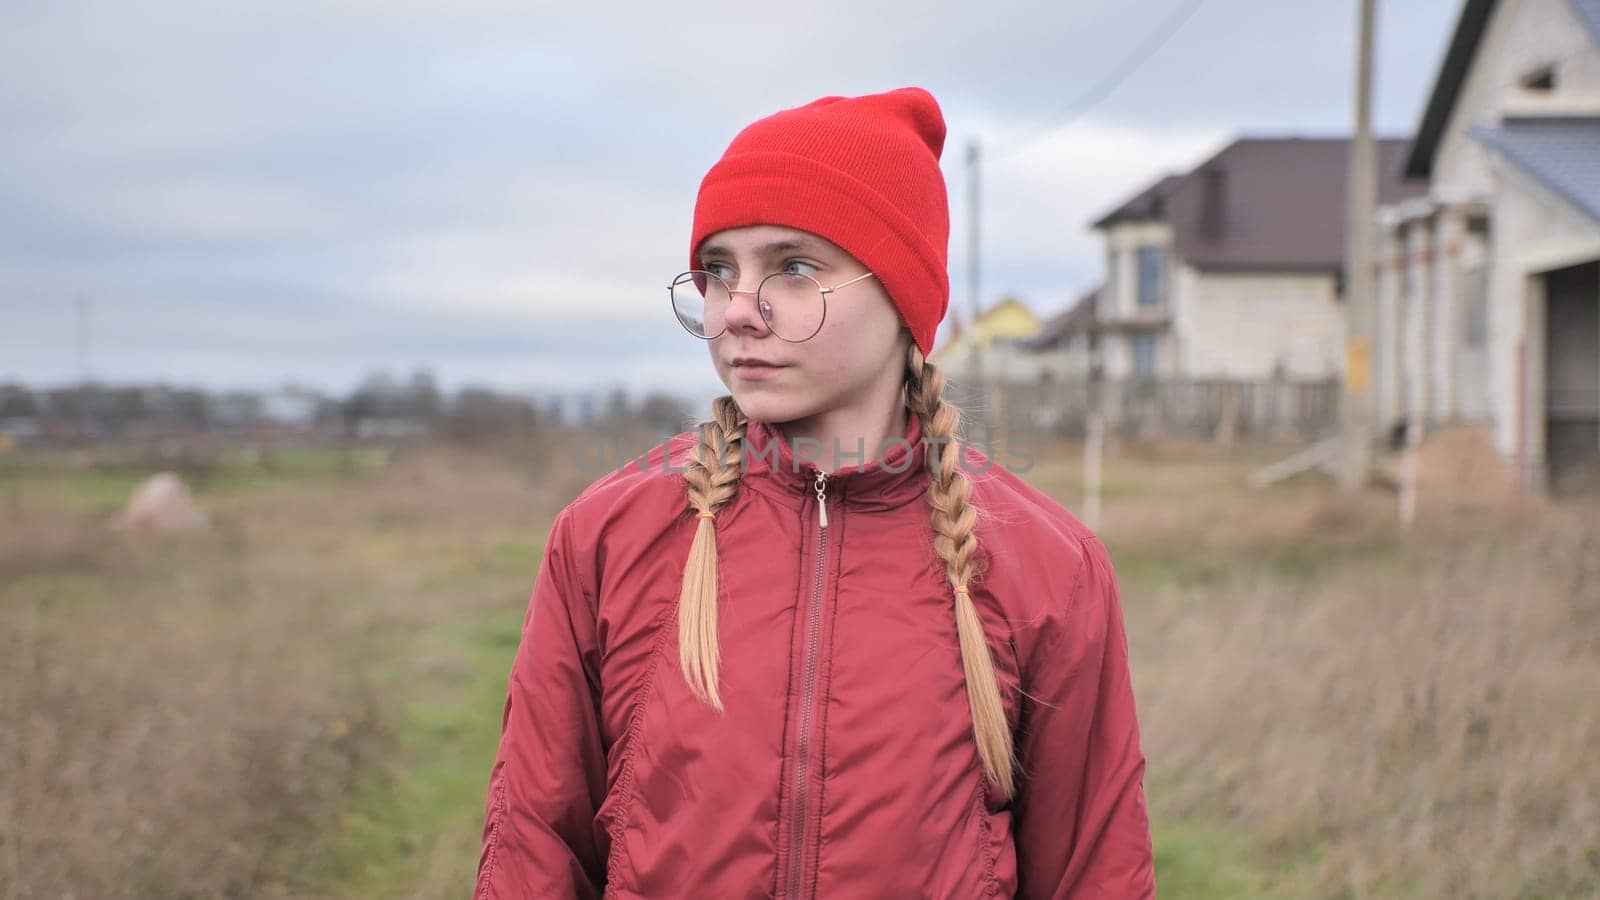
(501, 191)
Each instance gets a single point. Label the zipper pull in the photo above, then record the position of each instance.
(822, 499)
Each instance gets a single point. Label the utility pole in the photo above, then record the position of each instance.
(973, 272)
(1361, 196)
(83, 338)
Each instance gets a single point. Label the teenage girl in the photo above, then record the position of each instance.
(818, 647)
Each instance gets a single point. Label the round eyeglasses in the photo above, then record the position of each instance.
(793, 305)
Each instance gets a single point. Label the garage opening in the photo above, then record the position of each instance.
(1572, 379)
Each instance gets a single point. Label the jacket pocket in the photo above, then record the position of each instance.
(618, 806)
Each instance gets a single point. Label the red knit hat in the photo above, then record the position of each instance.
(862, 172)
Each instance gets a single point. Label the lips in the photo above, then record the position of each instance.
(748, 368)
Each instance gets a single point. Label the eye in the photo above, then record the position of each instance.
(802, 263)
(718, 269)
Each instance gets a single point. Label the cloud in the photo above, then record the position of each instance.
(265, 190)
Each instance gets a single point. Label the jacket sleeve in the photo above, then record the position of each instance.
(1082, 827)
(549, 774)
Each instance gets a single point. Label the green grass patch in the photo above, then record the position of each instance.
(1198, 862)
(307, 460)
(1161, 563)
(1200, 857)
(1290, 558)
(42, 479)
(88, 489)
(417, 819)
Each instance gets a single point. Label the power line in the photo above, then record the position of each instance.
(1113, 79)
(1142, 52)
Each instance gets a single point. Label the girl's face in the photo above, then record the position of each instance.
(861, 347)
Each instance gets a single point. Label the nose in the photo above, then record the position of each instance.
(743, 314)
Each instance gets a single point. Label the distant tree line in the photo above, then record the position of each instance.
(381, 405)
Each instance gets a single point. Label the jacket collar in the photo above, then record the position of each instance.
(886, 479)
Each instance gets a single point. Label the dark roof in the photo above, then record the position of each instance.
(1265, 203)
(1078, 317)
(1474, 20)
(1452, 77)
(1147, 204)
(1557, 151)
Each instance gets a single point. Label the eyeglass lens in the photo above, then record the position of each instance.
(792, 305)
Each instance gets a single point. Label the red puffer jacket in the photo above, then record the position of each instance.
(844, 765)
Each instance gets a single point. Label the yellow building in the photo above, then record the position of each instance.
(996, 335)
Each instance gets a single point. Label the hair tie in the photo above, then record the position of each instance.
(707, 514)
(963, 590)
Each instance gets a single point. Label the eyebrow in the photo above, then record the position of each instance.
(779, 246)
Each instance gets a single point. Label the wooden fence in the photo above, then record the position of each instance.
(1204, 409)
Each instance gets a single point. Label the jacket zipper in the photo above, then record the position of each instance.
(803, 740)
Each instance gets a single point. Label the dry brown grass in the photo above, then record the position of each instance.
(185, 717)
(1389, 714)
(169, 727)
(1382, 714)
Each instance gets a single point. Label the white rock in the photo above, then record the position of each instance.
(163, 504)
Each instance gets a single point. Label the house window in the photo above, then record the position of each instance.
(1477, 297)
(1542, 79)
(1152, 262)
(1144, 355)
(1112, 258)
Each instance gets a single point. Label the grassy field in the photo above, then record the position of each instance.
(305, 701)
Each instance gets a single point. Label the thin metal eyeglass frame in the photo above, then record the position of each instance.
(825, 291)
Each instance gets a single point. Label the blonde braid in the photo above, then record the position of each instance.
(713, 477)
(956, 542)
